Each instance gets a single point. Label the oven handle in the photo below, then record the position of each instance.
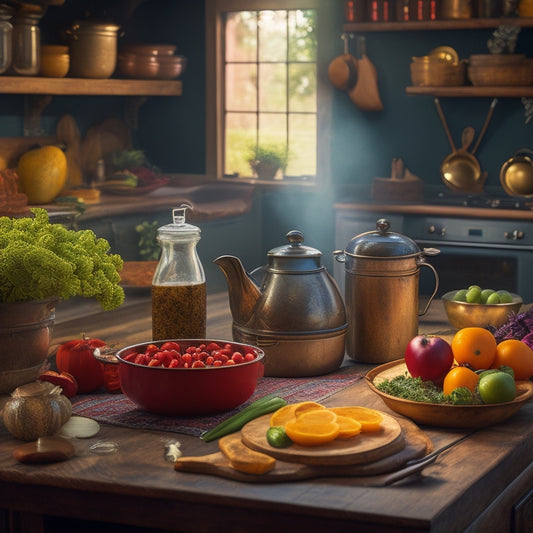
(494, 246)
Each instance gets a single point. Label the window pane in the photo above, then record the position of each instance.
(272, 128)
(302, 87)
(302, 145)
(241, 36)
(272, 36)
(302, 35)
(273, 87)
(241, 133)
(241, 87)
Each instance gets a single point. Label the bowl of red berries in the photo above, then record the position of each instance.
(189, 376)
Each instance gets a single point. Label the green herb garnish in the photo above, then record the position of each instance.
(414, 389)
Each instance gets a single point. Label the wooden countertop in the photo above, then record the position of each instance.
(475, 484)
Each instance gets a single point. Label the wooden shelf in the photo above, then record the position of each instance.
(88, 87)
(470, 92)
(459, 24)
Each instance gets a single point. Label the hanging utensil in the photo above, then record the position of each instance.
(486, 125)
(342, 71)
(461, 170)
(445, 124)
(365, 94)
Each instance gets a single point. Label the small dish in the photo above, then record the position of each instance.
(439, 415)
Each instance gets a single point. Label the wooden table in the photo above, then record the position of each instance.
(476, 486)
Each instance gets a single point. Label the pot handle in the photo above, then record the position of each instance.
(339, 256)
(423, 264)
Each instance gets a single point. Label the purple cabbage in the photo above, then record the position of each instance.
(518, 326)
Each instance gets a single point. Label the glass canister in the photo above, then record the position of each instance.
(179, 306)
(6, 37)
(26, 43)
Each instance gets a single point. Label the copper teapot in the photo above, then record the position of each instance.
(291, 308)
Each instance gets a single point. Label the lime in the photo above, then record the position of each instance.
(474, 287)
(277, 437)
(494, 298)
(473, 296)
(505, 297)
(497, 387)
(485, 293)
(460, 296)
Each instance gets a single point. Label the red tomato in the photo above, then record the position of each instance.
(76, 358)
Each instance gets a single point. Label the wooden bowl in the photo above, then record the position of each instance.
(440, 415)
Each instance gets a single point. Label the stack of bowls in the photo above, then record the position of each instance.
(441, 67)
(500, 70)
(151, 61)
(55, 61)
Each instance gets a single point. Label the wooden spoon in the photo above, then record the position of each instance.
(342, 71)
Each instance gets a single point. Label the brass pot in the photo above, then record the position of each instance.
(93, 49)
(382, 271)
(516, 174)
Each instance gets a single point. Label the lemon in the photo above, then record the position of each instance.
(42, 173)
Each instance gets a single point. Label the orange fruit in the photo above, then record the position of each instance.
(370, 419)
(474, 346)
(516, 354)
(459, 376)
(348, 427)
(313, 428)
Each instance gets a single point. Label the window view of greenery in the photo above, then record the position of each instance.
(270, 100)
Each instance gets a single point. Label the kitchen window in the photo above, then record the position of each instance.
(262, 79)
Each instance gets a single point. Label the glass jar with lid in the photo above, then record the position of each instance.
(6, 36)
(179, 285)
(27, 41)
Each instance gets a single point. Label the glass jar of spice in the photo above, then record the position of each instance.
(6, 31)
(179, 305)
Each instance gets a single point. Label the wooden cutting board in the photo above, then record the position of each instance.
(415, 444)
(362, 448)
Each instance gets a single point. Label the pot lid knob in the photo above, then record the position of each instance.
(295, 256)
(382, 243)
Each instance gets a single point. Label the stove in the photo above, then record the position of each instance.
(484, 200)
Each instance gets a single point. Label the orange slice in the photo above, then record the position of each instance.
(303, 407)
(348, 427)
(313, 428)
(370, 419)
(290, 411)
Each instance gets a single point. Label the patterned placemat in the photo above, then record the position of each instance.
(118, 410)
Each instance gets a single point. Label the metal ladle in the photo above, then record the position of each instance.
(460, 170)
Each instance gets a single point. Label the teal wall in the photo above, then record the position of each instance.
(362, 144)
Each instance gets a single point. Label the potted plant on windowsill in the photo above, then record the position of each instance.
(266, 160)
(42, 264)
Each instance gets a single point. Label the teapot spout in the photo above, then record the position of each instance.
(243, 292)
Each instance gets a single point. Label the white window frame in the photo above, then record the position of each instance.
(215, 92)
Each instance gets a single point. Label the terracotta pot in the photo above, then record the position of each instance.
(25, 334)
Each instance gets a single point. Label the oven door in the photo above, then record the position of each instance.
(489, 266)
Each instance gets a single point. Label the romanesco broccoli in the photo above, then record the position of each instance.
(41, 260)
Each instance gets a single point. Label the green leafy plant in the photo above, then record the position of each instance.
(40, 260)
(266, 159)
(149, 248)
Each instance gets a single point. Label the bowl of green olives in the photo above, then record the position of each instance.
(478, 307)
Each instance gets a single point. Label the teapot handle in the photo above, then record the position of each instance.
(422, 264)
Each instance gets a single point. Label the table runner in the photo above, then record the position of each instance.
(118, 410)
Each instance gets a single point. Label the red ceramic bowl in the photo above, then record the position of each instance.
(189, 391)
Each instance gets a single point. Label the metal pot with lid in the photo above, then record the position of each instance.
(291, 308)
(382, 271)
(93, 49)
